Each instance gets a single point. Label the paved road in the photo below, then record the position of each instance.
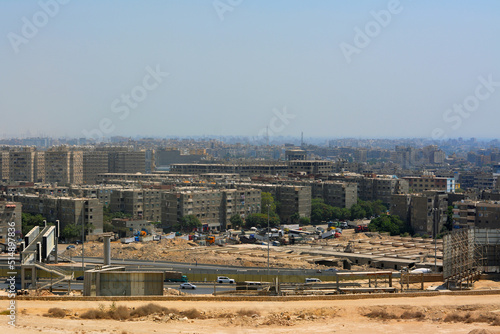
(201, 288)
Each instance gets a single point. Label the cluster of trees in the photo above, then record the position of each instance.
(321, 212)
(70, 231)
(389, 223)
(267, 204)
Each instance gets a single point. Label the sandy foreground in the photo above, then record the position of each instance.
(319, 316)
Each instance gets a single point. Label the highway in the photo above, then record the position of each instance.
(201, 288)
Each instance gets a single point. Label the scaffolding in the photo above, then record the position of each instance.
(462, 258)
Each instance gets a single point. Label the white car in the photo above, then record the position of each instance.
(188, 286)
(224, 279)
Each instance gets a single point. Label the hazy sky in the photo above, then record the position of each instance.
(235, 67)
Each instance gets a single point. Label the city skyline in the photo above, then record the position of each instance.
(382, 69)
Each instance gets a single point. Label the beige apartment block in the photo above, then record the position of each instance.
(63, 166)
(22, 164)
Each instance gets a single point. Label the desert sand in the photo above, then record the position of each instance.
(437, 314)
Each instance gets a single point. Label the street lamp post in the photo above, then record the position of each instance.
(268, 238)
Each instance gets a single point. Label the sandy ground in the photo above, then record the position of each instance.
(346, 316)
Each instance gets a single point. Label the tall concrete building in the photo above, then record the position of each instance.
(140, 203)
(292, 198)
(337, 194)
(124, 161)
(425, 212)
(430, 182)
(213, 207)
(94, 163)
(4, 166)
(310, 166)
(39, 167)
(22, 164)
(63, 166)
(68, 210)
(482, 214)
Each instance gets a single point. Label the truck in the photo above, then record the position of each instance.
(174, 276)
(362, 228)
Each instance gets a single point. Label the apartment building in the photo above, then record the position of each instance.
(63, 166)
(372, 187)
(140, 203)
(482, 214)
(335, 193)
(292, 199)
(213, 207)
(310, 166)
(124, 161)
(68, 210)
(94, 163)
(22, 164)
(425, 212)
(244, 169)
(4, 166)
(430, 182)
(10, 212)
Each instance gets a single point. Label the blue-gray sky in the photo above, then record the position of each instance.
(233, 65)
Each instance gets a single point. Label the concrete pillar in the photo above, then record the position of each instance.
(107, 250)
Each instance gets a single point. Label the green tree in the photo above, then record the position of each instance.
(295, 218)
(304, 221)
(236, 220)
(71, 231)
(267, 199)
(387, 223)
(260, 220)
(29, 221)
(188, 223)
(357, 212)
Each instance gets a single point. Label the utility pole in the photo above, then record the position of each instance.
(268, 237)
(83, 236)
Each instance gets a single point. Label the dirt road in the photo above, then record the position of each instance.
(389, 315)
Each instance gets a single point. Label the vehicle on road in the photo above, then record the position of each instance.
(187, 286)
(224, 279)
(79, 278)
(174, 276)
(313, 280)
(334, 270)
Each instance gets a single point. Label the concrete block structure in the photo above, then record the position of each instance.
(140, 203)
(22, 164)
(63, 166)
(68, 210)
(115, 281)
(481, 214)
(10, 212)
(213, 207)
(425, 212)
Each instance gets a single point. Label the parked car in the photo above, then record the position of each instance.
(79, 278)
(224, 279)
(70, 246)
(187, 286)
(334, 270)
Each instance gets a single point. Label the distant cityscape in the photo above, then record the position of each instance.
(160, 181)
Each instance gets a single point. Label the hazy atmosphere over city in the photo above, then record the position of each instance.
(366, 69)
